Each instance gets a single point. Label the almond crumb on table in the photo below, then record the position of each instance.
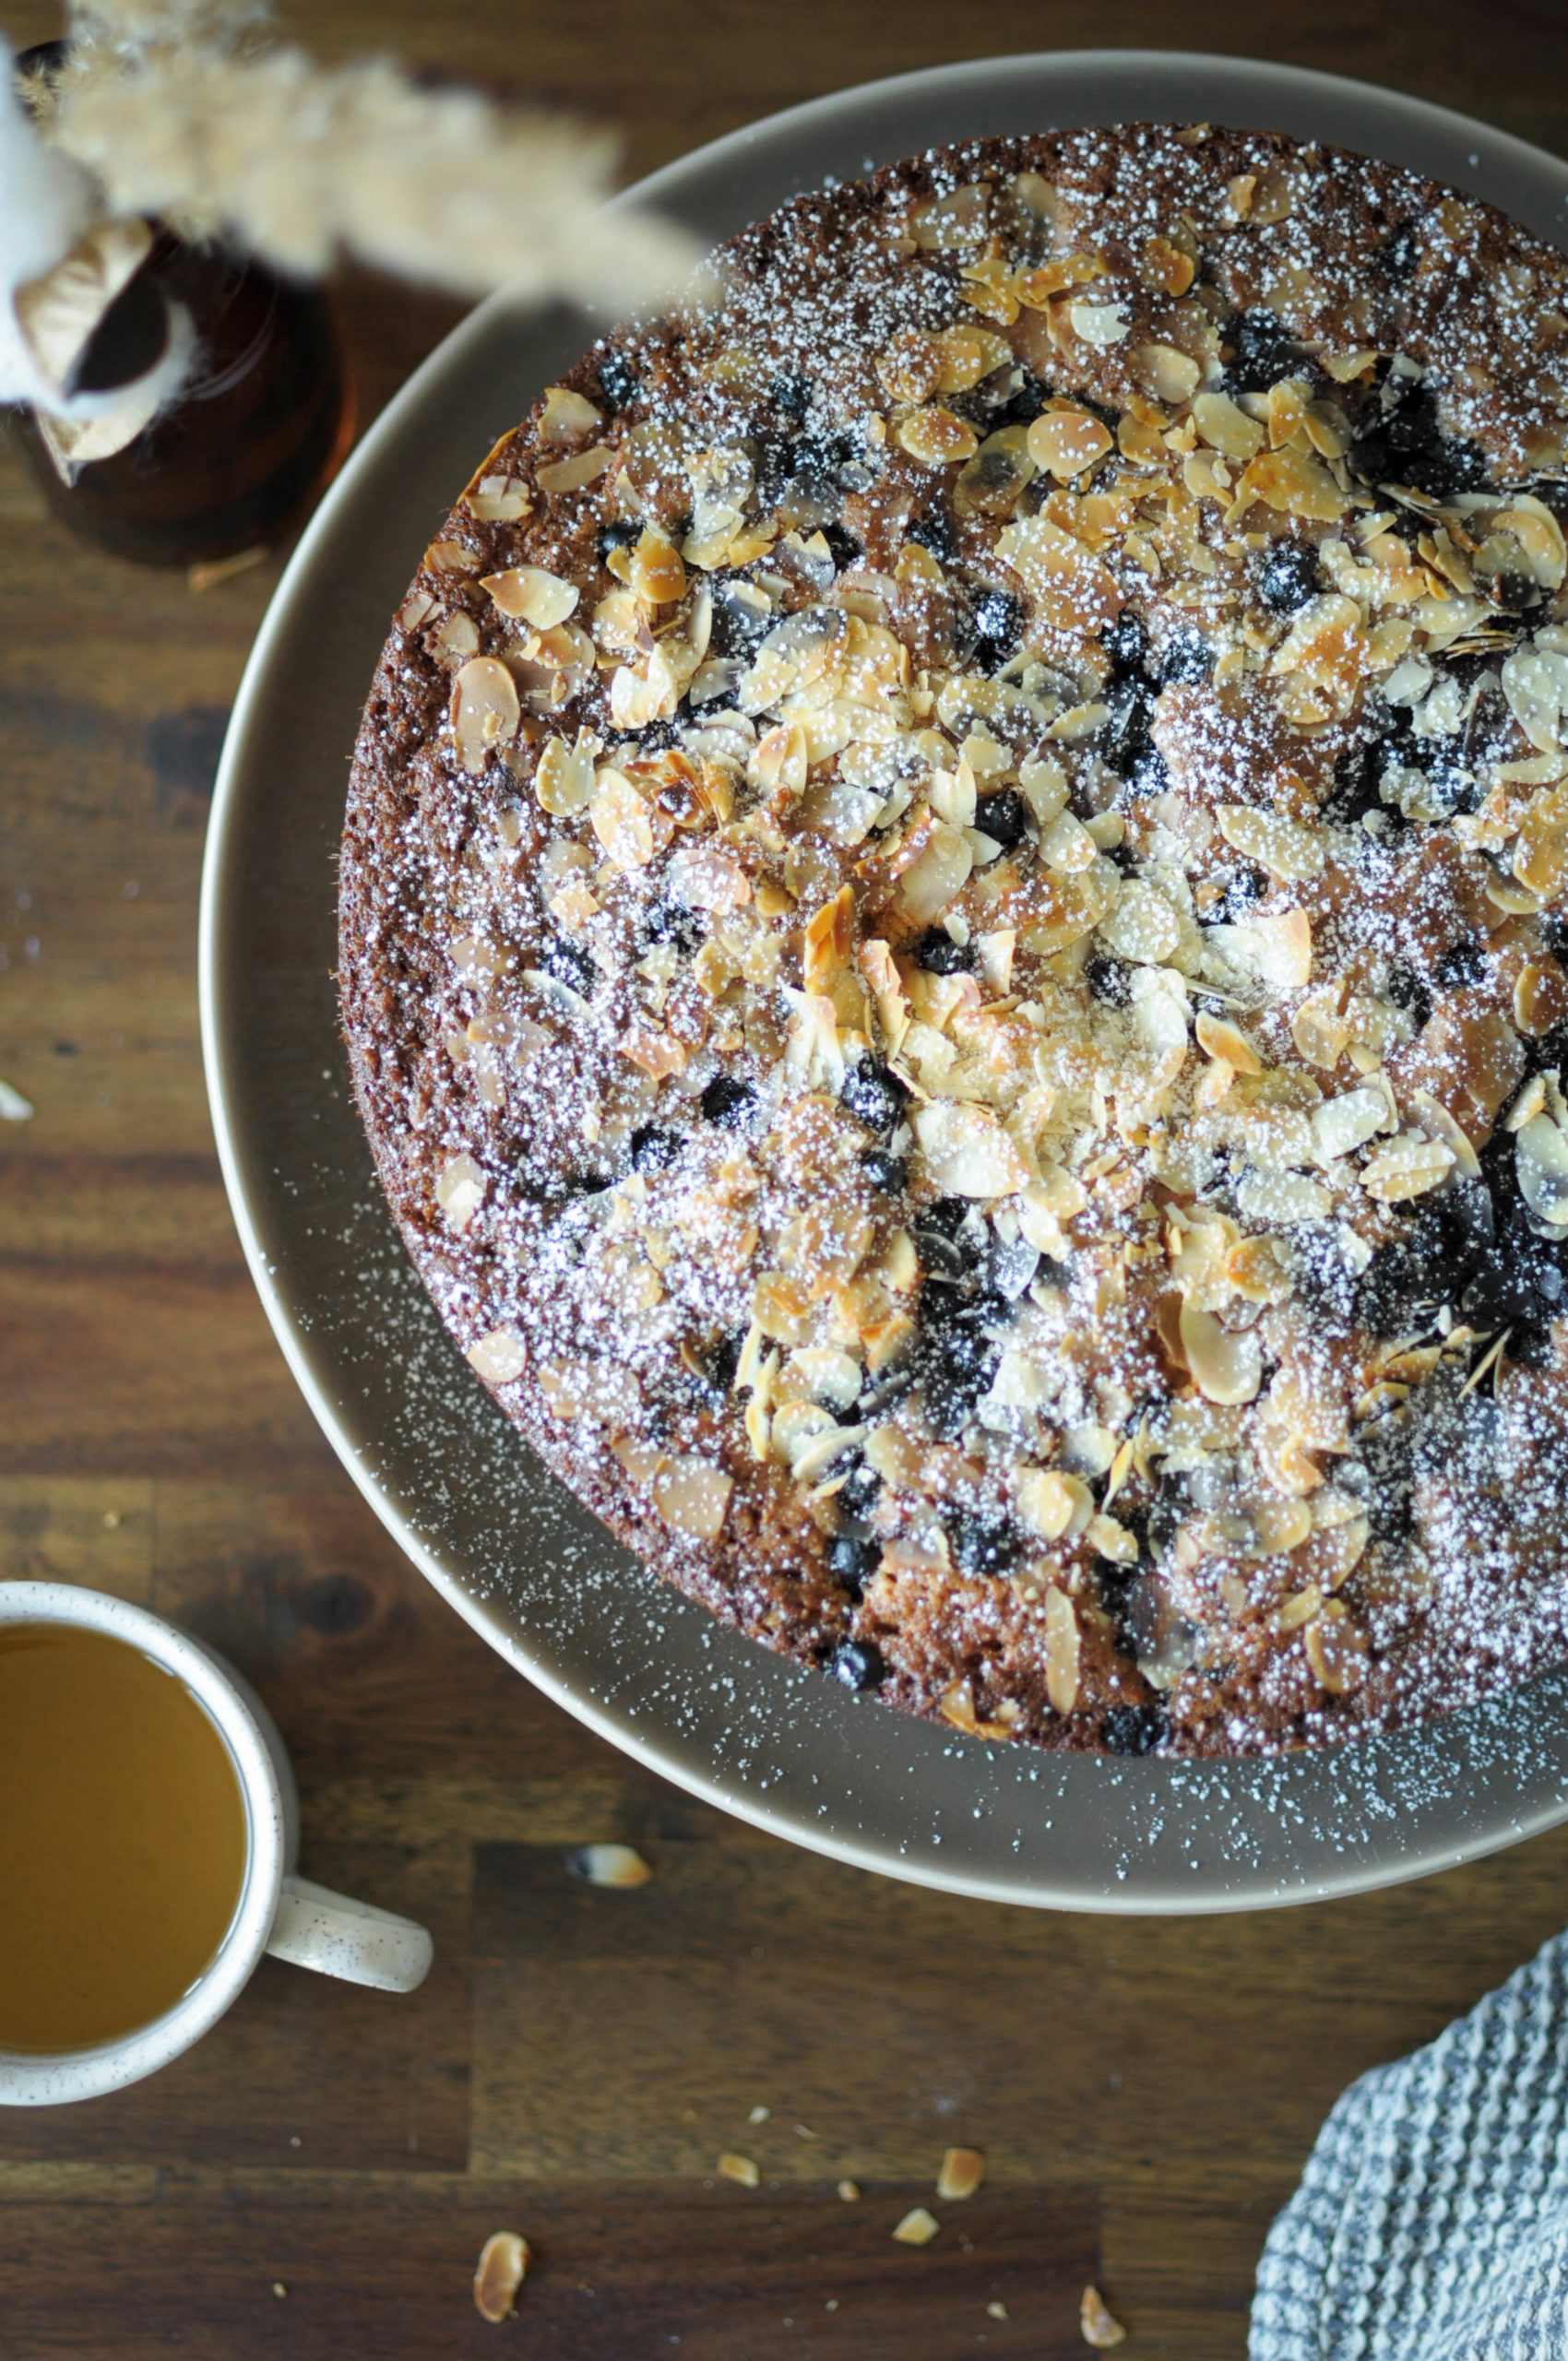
(916, 2228)
(1096, 2323)
(502, 2265)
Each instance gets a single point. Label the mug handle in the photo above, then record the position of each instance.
(350, 1940)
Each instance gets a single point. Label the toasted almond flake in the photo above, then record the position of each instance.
(1337, 1650)
(1318, 1029)
(658, 573)
(1099, 324)
(1439, 1124)
(1169, 374)
(693, 1496)
(567, 416)
(622, 820)
(739, 2169)
(565, 779)
(918, 2228)
(944, 224)
(485, 712)
(1219, 1037)
(966, 1153)
(582, 468)
(1096, 2324)
(1541, 998)
(457, 640)
(531, 594)
(1225, 428)
(460, 1192)
(1065, 439)
(498, 507)
(1407, 1168)
(1299, 487)
(1142, 926)
(962, 2171)
(618, 1866)
(1066, 845)
(1225, 1366)
(1051, 1503)
(1343, 1124)
(416, 609)
(502, 2265)
(1063, 1649)
(1287, 847)
(936, 438)
(499, 1356)
(1051, 563)
(1540, 1155)
(450, 557)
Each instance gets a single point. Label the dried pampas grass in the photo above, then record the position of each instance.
(299, 163)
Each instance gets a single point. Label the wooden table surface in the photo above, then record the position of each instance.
(317, 2178)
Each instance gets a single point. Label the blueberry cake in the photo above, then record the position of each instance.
(952, 933)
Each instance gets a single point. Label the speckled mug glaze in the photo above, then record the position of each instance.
(278, 1911)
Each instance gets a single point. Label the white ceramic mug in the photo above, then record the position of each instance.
(277, 1910)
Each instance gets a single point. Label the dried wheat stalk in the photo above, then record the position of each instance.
(175, 113)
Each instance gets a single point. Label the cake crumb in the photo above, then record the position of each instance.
(739, 2169)
(918, 2228)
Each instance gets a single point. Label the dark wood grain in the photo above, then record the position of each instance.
(1145, 2091)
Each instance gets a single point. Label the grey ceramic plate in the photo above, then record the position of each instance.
(436, 1460)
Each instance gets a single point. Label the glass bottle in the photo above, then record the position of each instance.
(258, 429)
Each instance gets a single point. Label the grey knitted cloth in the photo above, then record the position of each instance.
(1433, 2221)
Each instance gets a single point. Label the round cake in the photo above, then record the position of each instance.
(950, 939)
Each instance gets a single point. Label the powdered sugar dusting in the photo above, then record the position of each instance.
(949, 936)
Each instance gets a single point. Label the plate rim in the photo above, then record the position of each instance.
(1372, 1869)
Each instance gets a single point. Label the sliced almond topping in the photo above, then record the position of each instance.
(658, 573)
(460, 1193)
(1051, 1503)
(944, 224)
(582, 468)
(566, 416)
(565, 779)
(500, 1357)
(1337, 1650)
(1225, 428)
(485, 712)
(1169, 374)
(1225, 1367)
(1407, 1168)
(1219, 1037)
(1063, 1648)
(1064, 440)
(1287, 847)
(936, 438)
(531, 594)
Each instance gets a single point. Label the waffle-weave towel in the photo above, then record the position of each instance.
(1431, 2223)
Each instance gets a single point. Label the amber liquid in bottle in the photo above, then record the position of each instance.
(239, 455)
